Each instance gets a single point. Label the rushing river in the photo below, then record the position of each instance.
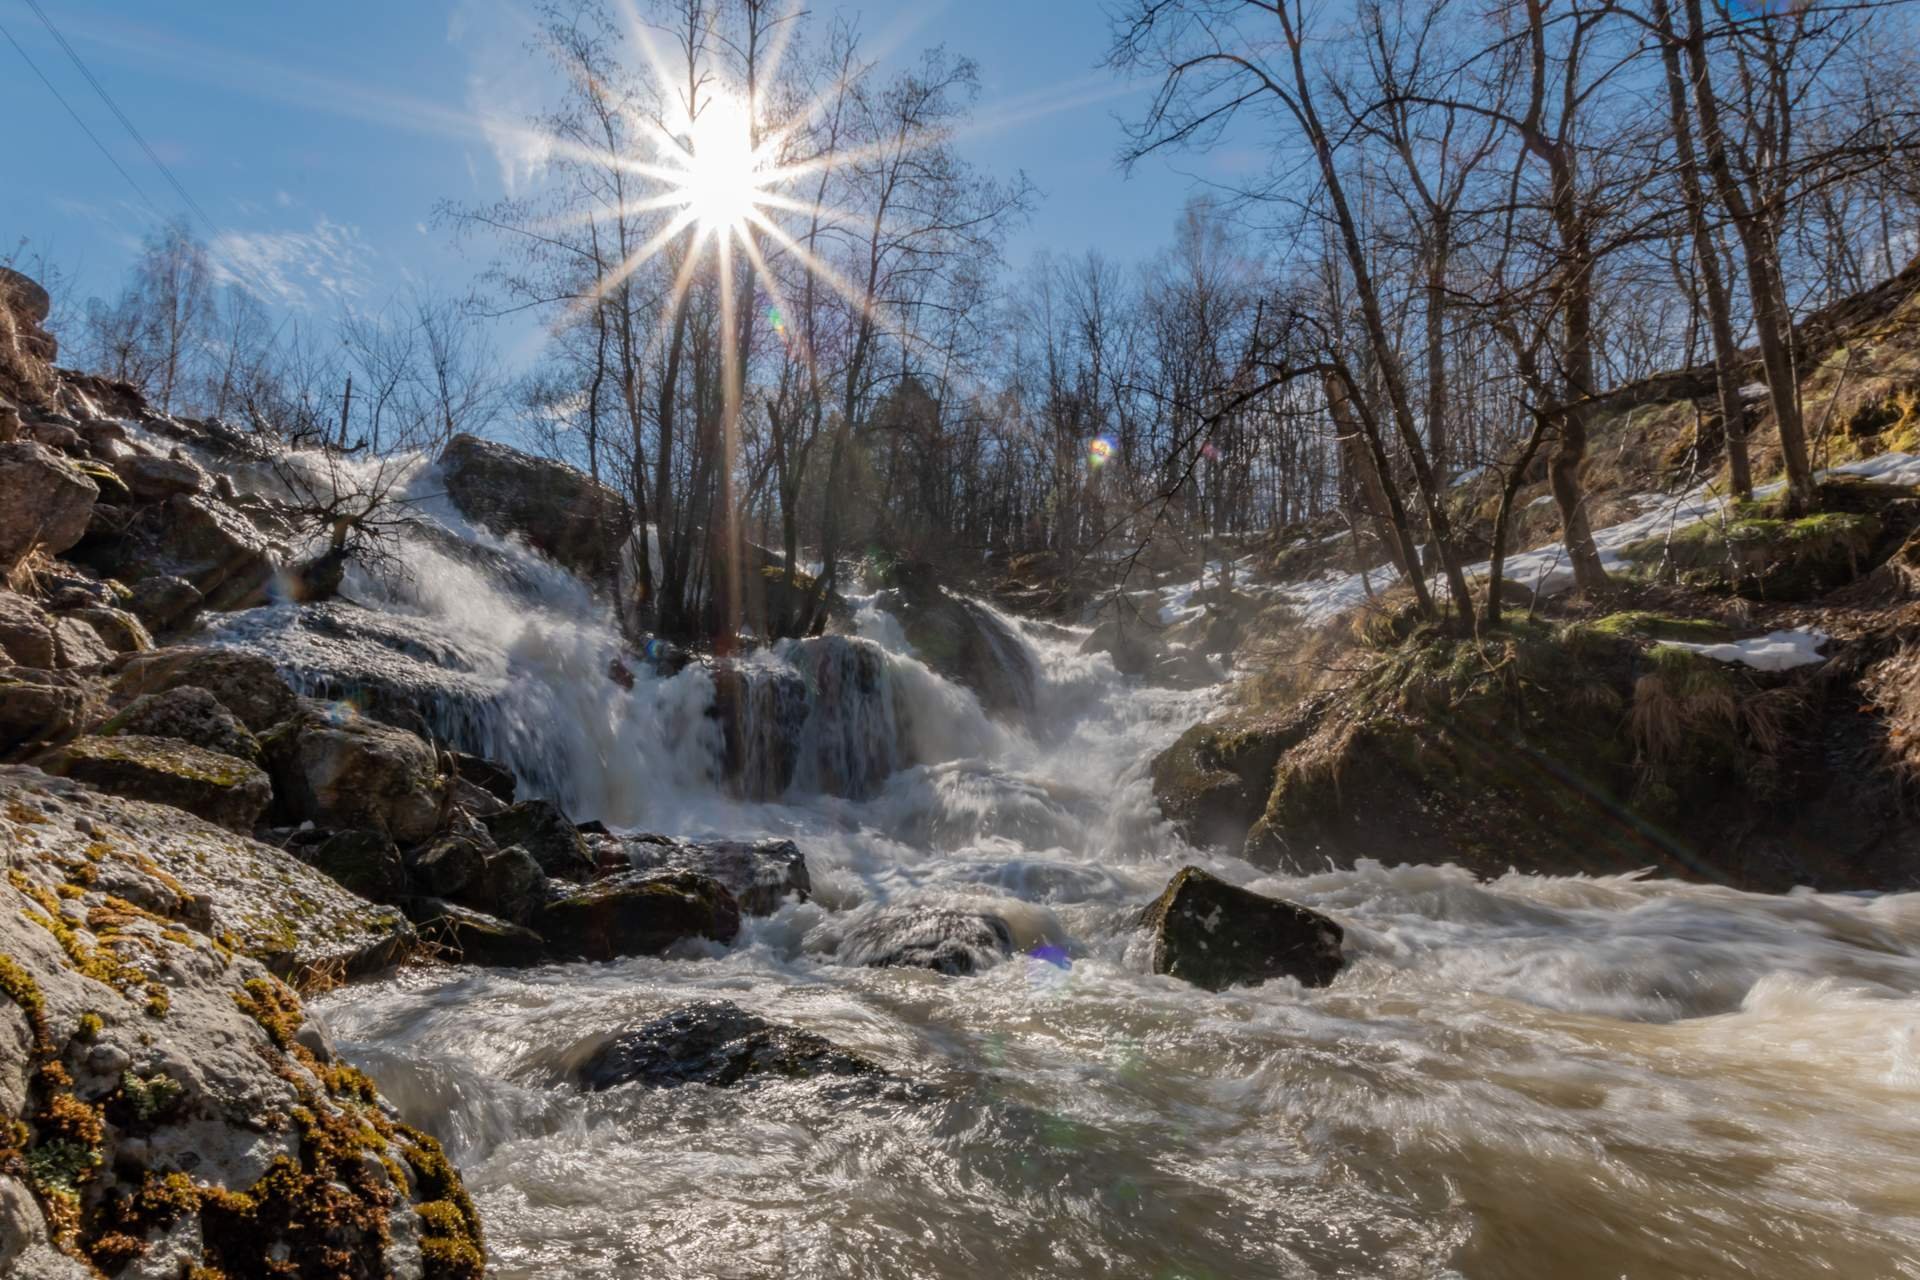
(1533, 1077)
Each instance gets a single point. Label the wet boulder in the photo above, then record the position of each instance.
(961, 639)
(1212, 783)
(340, 770)
(224, 790)
(247, 683)
(509, 884)
(718, 1044)
(189, 714)
(639, 914)
(488, 775)
(119, 630)
(48, 502)
(560, 512)
(445, 866)
(761, 874)
(1135, 645)
(544, 832)
(366, 862)
(956, 943)
(26, 631)
(466, 936)
(1217, 935)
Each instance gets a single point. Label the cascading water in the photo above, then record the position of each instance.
(1529, 1077)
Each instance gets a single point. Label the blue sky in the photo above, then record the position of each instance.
(319, 137)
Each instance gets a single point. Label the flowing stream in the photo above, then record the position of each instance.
(1533, 1077)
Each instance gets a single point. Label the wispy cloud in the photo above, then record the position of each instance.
(505, 87)
(304, 269)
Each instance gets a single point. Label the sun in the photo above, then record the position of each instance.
(720, 177)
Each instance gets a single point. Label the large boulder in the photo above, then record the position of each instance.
(153, 479)
(191, 536)
(340, 770)
(544, 832)
(1217, 935)
(172, 1111)
(26, 631)
(559, 512)
(639, 914)
(48, 502)
(467, 936)
(510, 885)
(1212, 783)
(366, 862)
(955, 943)
(40, 707)
(447, 865)
(118, 630)
(761, 874)
(166, 603)
(248, 684)
(961, 639)
(189, 714)
(718, 1044)
(222, 789)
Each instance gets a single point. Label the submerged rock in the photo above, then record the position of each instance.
(718, 1044)
(169, 1111)
(956, 943)
(223, 789)
(761, 874)
(639, 914)
(960, 638)
(1217, 935)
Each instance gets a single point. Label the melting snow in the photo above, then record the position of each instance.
(1775, 651)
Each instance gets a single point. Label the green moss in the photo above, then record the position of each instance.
(274, 1006)
(1756, 552)
(152, 1097)
(182, 761)
(1656, 626)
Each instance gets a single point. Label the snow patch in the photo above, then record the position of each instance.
(1775, 651)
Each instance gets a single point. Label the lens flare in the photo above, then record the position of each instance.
(722, 179)
(1099, 451)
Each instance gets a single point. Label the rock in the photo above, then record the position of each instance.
(151, 479)
(166, 603)
(1213, 781)
(473, 937)
(39, 707)
(543, 831)
(489, 775)
(75, 644)
(266, 903)
(247, 683)
(760, 874)
(120, 631)
(639, 913)
(1134, 645)
(560, 512)
(448, 865)
(960, 638)
(48, 502)
(475, 800)
(510, 885)
(365, 862)
(178, 1100)
(222, 789)
(56, 436)
(25, 295)
(1217, 935)
(956, 943)
(26, 631)
(194, 537)
(718, 1044)
(190, 714)
(345, 771)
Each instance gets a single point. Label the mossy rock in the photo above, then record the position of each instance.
(639, 914)
(222, 789)
(1217, 935)
(1765, 556)
(1212, 782)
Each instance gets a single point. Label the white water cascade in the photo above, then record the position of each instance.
(1566, 1077)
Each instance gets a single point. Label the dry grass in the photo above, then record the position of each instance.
(24, 378)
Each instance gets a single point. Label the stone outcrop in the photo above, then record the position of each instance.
(960, 638)
(223, 789)
(344, 771)
(190, 714)
(247, 683)
(1217, 935)
(718, 1044)
(545, 833)
(558, 511)
(49, 502)
(167, 1109)
(26, 632)
(639, 914)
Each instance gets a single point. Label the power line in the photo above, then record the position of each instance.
(94, 138)
(114, 107)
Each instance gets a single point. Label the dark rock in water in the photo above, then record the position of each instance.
(1134, 644)
(543, 831)
(448, 865)
(761, 874)
(364, 861)
(222, 789)
(48, 502)
(246, 683)
(1213, 781)
(718, 1044)
(489, 775)
(956, 943)
(190, 714)
(510, 885)
(340, 770)
(26, 631)
(474, 937)
(1217, 935)
(166, 603)
(39, 707)
(959, 638)
(639, 914)
(563, 514)
(592, 827)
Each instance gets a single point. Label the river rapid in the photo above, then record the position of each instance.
(1530, 1077)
